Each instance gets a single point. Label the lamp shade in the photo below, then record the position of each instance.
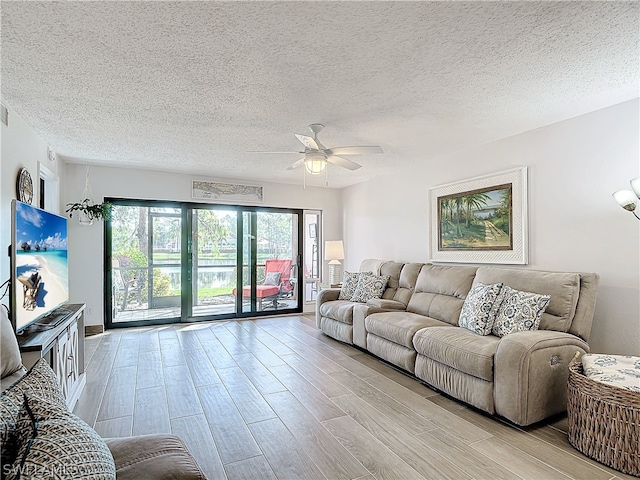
(333, 250)
(315, 163)
(626, 199)
(635, 184)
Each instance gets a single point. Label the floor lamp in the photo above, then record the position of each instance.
(334, 252)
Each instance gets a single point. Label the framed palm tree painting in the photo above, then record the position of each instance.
(481, 220)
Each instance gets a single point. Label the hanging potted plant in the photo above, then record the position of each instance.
(87, 209)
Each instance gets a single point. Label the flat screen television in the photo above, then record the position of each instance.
(39, 264)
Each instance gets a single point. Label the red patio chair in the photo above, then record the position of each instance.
(277, 283)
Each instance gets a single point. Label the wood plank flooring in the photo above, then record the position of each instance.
(276, 399)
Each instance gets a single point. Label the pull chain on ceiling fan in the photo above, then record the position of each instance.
(317, 156)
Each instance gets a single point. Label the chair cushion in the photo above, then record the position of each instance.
(157, 457)
(340, 310)
(458, 348)
(262, 291)
(398, 327)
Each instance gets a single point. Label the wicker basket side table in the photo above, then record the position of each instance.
(604, 421)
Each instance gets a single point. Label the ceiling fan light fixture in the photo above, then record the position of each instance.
(315, 163)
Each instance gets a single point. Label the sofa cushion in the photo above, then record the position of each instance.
(349, 284)
(440, 291)
(340, 310)
(458, 348)
(564, 289)
(398, 327)
(480, 308)
(40, 380)
(407, 282)
(55, 443)
(519, 311)
(158, 457)
(370, 286)
(393, 270)
(371, 265)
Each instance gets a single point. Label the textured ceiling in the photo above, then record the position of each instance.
(192, 86)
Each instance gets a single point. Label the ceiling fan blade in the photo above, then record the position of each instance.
(308, 141)
(264, 151)
(365, 150)
(343, 162)
(296, 164)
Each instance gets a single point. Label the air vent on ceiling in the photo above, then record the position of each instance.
(4, 114)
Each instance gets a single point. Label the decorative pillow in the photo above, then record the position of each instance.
(519, 311)
(619, 370)
(9, 349)
(272, 278)
(370, 286)
(480, 308)
(349, 284)
(56, 444)
(41, 381)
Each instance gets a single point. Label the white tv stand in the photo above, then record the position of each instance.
(61, 342)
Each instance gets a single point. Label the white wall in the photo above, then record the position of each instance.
(86, 244)
(574, 223)
(20, 147)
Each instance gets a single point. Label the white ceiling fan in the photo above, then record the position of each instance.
(317, 156)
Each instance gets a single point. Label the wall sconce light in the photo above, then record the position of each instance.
(628, 199)
(334, 252)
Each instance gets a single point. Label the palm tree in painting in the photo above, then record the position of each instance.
(474, 201)
(459, 203)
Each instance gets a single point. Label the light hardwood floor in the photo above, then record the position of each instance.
(275, 398)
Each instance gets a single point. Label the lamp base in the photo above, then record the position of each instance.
(335, 273)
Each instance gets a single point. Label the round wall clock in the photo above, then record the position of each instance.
(24, 186)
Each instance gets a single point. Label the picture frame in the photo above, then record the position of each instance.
(481, 220)
(226, 192)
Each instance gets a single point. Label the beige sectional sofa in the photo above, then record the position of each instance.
(521, 376)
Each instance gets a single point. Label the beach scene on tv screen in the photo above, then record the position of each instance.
(41, 263)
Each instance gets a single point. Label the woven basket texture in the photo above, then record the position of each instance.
(604, 421)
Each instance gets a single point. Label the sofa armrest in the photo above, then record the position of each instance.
(530, 374)
(386, 304)
(157, 456)
(326, 295)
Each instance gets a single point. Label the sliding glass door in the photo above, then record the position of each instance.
(183, 262)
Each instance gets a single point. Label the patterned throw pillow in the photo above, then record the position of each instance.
(349, 284)
(622, 371)
(370, 286)
(41, 381)
(519, 311)
(272, 278)
(56, 444)
(480, 308)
